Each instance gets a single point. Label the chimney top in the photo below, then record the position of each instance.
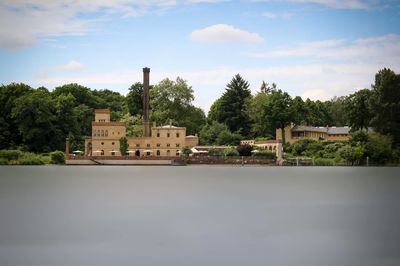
(146, 69)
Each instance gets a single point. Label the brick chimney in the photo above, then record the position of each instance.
(146, 102)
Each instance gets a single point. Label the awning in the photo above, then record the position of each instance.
(77, 151)
(148, 151)
(97, 151)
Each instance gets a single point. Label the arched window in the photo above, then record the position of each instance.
(102, 133)
(106, 132)
(158, 152)
(168, 152)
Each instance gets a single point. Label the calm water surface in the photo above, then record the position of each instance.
(199, 215)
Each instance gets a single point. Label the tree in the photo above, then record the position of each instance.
(173, 100)
(210, 132)
(358, 110)
(299, 111)
(278, 111)
(244, 149)
(57, 157)
(337, 111)
(232, 108)
(266, 88)
(134, 99)
(379, 148)
(386, 104)
(351, 154)
(123, 146)
(186, 151)
(9, 134)
(34, 114)
(256, 111)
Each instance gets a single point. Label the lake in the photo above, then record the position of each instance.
(199, 215)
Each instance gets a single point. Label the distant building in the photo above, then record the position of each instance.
(270, 145)
(294, 133)
(156, 141)
(163, 141)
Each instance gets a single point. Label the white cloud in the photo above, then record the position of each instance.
(382, 49)
(23, 22)
(338, 4)
(224, 33)
(275, 15)
(72, 66)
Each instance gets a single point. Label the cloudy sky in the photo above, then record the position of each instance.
(311, 48)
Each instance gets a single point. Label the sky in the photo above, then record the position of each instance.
(315, 49)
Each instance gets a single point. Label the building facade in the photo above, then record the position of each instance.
(163, 140)
(270, 145)
(294, 133)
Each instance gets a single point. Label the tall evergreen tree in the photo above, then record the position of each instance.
(386, 104)
(232, 109)
(358, 109)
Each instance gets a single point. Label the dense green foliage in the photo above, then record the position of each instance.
(57, 157)
(17, 157)
(38, 120)
(123, 146)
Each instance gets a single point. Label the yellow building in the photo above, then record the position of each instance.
(294, 133)
(156, 141)
(270, 145)
(164, 140)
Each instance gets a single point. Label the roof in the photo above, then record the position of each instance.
(338, 130)
(108, 123)
(328, 130)
(107, 111)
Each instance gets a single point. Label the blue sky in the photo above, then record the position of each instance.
(311, 48)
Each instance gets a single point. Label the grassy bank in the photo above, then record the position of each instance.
(17, 157)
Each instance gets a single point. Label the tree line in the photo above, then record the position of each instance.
(40, 120)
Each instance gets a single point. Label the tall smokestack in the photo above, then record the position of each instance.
(146, 102)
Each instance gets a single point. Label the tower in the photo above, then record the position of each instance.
(146, 102)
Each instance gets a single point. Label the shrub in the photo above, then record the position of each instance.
(324, 162)
(300, 146)
(215, 152)
(30, 159)
(379, 148)
(57, 157)
(351, 154)
(266, 154)
(3, 161)
(11, 154)
(244, 150)
(231, 152)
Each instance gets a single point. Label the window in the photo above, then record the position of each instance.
(177, 135)
(158, 134)
(168, 152)
(158, 152)
(138, 145)
(113, 153)
(148, 145)
(102, 152)
(112, 143)
(177, 145)
(167, 135)
(168, 145)
(98, 132)
(118, 132)
(94, 133)
(102, 133)
(102, 143)
(106, 133)
(177, 152)
(158, 144)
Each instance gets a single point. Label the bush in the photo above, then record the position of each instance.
(300, 146)
(266, 154)
(215, 152)
(30, 159)
(11, 154)
(3, 161)
(231, 152)
(352, 155)
(324, 162)
(379, 148)
(244, 150)
(57, 157)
